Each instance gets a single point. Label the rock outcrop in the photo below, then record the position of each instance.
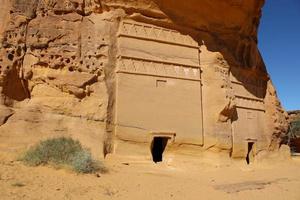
(60, 73)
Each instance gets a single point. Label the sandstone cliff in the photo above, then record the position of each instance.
(58, 60)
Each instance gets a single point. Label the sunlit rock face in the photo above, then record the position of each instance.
(105, 71)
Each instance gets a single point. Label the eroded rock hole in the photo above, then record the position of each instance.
(250, 152)
(76, 5)
(10, 57)
(71, 69)
(158, 146)
(19, 51)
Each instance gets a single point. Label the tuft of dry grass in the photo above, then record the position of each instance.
(63, 151)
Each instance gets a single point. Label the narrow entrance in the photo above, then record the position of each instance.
(250, 152)
(158, 147)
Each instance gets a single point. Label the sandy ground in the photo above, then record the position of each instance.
(181, 177)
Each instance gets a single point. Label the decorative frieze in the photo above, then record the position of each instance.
(151, 32)
(153, 68)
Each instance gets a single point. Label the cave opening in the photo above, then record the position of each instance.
(250, 152)
(158, 147)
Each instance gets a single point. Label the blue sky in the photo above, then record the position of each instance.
(279, 43)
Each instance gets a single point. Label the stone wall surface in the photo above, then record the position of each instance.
(108, 70)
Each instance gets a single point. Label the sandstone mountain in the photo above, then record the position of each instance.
(109, 72)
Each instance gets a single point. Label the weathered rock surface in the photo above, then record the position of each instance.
(60, 73)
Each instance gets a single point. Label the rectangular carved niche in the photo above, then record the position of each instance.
(158, 84)
(250, 122)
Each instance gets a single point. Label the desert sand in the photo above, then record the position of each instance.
(180, 176)
(118, 75)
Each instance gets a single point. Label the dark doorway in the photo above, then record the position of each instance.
(158, 147)
(250, 152)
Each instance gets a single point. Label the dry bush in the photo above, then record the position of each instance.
(63, 151)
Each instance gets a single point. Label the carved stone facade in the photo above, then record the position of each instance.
(250, 122)
(154, 82)
(116, 71)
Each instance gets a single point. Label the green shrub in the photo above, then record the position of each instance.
(62, 152)
(83, 162)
